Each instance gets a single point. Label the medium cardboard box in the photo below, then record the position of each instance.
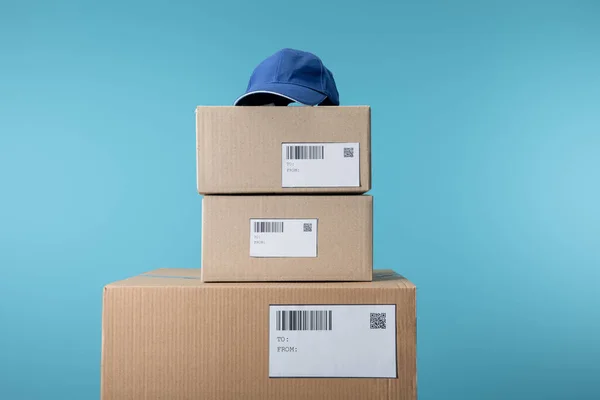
(167, 335)
(287, 238)
(283, 149)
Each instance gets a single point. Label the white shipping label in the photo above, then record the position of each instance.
(332, 341)
(320, 165)
(283, 237)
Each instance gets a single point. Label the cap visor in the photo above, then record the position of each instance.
(296, 93)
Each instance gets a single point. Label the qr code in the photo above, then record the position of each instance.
(378, 321)
(348, 152)
(307, 227)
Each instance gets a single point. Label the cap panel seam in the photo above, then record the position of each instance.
(278, 67)
(322, 77)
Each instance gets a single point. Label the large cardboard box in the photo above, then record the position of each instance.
(167, 335)
(283, 149)
(287, 238)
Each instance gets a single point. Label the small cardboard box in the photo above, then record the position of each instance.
(167, 335)
(287, 238)
(265, 150)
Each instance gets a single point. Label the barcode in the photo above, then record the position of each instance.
(378, 321)
(295, 152)
(306, 320)
(268, 227)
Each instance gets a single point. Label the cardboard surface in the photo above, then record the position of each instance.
(344, 238)
(239, 149)
(167, 335)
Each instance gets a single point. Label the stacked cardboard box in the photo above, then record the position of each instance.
(286, 305)
(280, 158)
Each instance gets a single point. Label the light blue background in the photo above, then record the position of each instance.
(486, 166)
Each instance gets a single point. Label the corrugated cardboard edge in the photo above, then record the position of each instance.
(371, 230)
(177, 275)
(198, 178)
(369, 164)
(102, 341)
(202, 242)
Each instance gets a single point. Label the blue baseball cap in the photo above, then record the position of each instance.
(290, 76)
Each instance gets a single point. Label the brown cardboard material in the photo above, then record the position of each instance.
(344, 231)
(167, 335)
(239, 149)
